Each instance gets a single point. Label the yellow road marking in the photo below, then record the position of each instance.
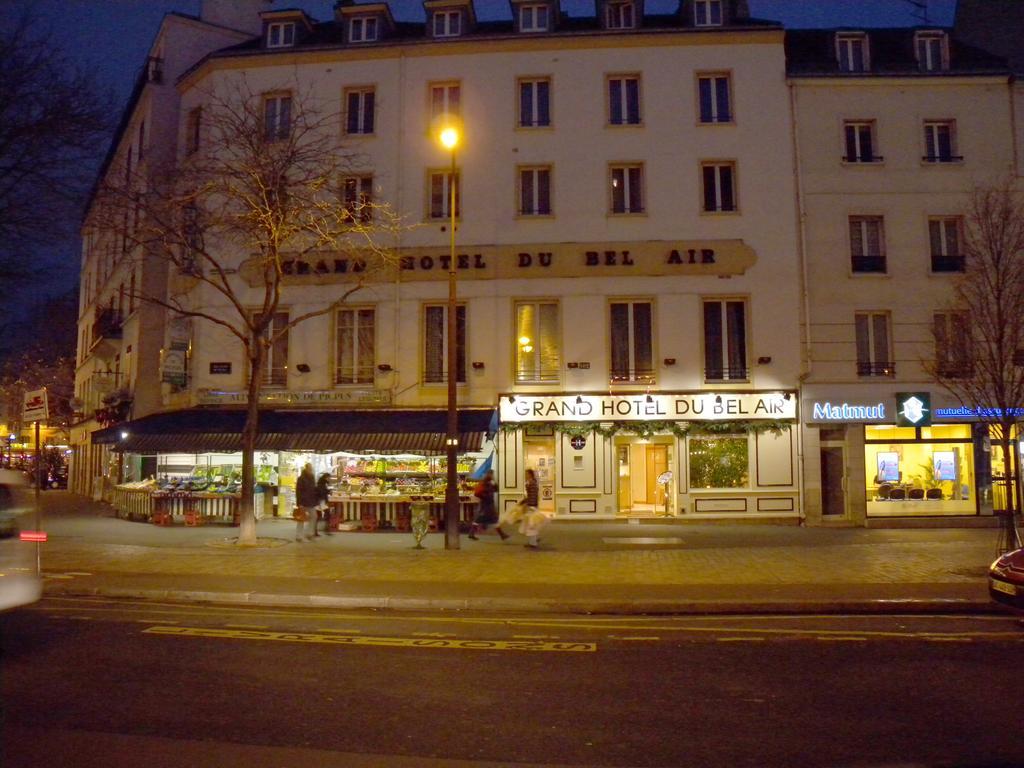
(843, 639)
(740, 639)
(631, 637)
(247, 626)
(341, 631)
(399, 642)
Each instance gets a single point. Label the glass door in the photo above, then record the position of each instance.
(833, 480)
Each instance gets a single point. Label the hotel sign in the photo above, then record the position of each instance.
(704, 406)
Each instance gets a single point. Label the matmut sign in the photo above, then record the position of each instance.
(705, 406)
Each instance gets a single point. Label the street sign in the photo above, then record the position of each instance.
(35, 407)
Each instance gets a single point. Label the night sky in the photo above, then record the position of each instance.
(112, 37)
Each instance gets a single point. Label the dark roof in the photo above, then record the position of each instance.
(812, 52)
(996, 26)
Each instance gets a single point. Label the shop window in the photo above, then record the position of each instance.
(927, 475)
(632, 354)
(719, 462)
(435, 351)
(355, 346)
(725, 340)
(537, 347)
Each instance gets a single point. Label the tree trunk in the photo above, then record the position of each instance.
(1009, 533)
(250, 431)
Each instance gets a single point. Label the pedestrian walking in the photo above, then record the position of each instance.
(305, 504)
(530, 501)
(323, 509)
(487, 513)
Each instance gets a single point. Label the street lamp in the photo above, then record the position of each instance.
(449, 137)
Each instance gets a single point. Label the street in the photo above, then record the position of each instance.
(119, 683)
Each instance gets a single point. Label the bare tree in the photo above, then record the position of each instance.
(53, 121)
(979, 342)
(259, 188)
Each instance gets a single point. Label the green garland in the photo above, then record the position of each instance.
(646, 429)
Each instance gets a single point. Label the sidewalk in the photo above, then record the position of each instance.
(592, 568)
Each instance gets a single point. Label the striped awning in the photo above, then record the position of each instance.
(201, 430)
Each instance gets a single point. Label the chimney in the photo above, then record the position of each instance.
(243, 15)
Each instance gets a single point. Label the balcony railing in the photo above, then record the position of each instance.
(632, 376)
(942, 158)
(730, 373)
(537, 375)
(107, 325)
(863, 159)
(872, 263)
(876, 368)
(945, 263)
(955, 369)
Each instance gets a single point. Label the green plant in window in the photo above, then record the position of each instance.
(719, 462)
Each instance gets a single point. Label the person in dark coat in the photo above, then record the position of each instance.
(323, 490)
(487, 514)
(305, 503)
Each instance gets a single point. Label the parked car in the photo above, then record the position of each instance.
(19, 579)
(1006, 580)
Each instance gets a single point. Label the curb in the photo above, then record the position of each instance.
(530, 605)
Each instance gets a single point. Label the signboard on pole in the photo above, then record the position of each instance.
(35, 406)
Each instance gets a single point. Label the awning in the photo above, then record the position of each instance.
(202, 430)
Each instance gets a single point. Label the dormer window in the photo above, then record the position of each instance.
(852, 52)
(362, 29)
(280, 34)
(534, 18)
(707, 13)
(932, 51)
(620, 15)
(447, 23)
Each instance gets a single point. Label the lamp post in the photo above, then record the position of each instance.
(450, 140)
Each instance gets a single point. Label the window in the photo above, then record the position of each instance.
(624, 100)
(192, 128)
(631, 342)
(944, 237)
(620, 15)
(626, 188)
(719, 462)
(535, 103)
(932, 53)
(275, 364)
(444, 99)
(725, 340)
(867, 244)
(277, 117)
(713, 94)
(441, 194)
(362, 29)
(535, 191)
(359, 111)
(873, 355)
(447, 23)
(952, 345)
(940, 142)
(860, 142)
(537, 348)
(707, 13)
(280, 34)
(355, 349)
(852, 52)
(357, 197)
(435, 352)
(533, 18)
(719, 180)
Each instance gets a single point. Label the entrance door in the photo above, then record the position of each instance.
(640, 464)
(833, 481)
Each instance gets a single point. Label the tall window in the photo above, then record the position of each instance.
(874, 357)
(362, 29)
(357, 197)
(719, 181)
(852, 52)
(725, 340)
(441, 194)
(435, 337)
(944, 238)
(627, 191)
(355, 346)
(277, 117)
(624, 100)
(280, 34)
(952, 345)
(707, 13)
(632, 354)
(275, 364)
(867, 244)
(359, 110)
(444, 99)
(533, 18)
(447, 23)
(940, 141)
(860, 141)
(620, 14)
(713, 94)
(193, 126)
(535, 191)
(535, 103)
(537, 347)
(932, 55)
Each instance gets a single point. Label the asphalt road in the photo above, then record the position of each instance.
(102, 683)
